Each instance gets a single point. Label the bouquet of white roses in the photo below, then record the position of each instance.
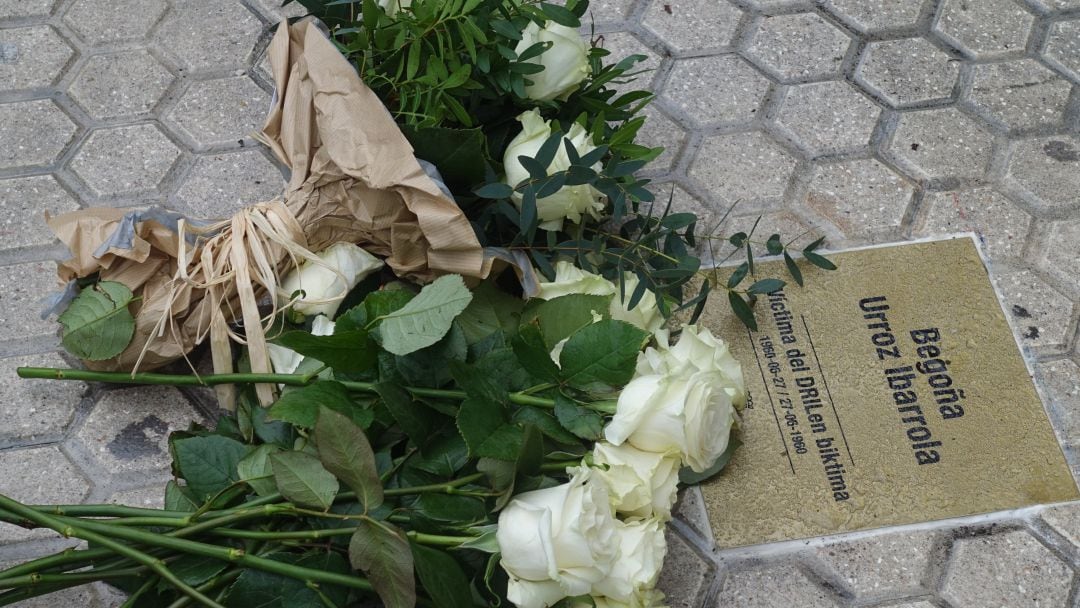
(442, 440)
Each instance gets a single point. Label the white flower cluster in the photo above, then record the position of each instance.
(602, 534)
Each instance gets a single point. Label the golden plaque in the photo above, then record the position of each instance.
(889, 391)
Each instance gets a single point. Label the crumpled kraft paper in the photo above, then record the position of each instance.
(354, 179)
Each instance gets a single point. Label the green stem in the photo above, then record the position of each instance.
(52, 373)
(77, 578)
(218, 581)
(437, 540)
(141, 591)
(87, 532)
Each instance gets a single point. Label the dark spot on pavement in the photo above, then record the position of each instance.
(915, 147)
(1061, 151)
(138, 439)
(1021, 312)
(1032, 332)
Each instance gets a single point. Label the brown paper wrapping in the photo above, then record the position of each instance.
(354, 179)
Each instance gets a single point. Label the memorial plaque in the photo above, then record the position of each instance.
(889, 391)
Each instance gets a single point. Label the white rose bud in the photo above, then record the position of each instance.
(570, 279)
(325, 285)
(566, 61)
(678, 404)
(286, 360)
(557, 542)
(570, 202)
(641, 484)
(642, 548)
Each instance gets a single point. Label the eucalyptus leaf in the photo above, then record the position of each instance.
(97, 323)
(426, 318)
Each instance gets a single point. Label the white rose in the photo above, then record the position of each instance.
(570, 202)
(557, 542)
(642, 548)
(641, 484)
(570, 279)
(677, 403)
(566, 61)
(325, 284)
(698, 347)
(391, 7)
(646, 598)
(286, 360)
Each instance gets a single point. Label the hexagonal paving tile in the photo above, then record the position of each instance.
(34, 133)
(661, 131)
(609, 10)
(863, 198)
(884, 566)
(120, 84)
(25, 8)
(221, 184)
(34, 57)
(22, 481)
(721, 89)
(799, 47)
(937, 144)
(688, 25)
(275, 12)
(778, 585)
(907, 72)
(1020, 94)
(1010, 569)
(746, 167)
(828, 117)
(987, 28)
(150, 497)
(1063, 251)
(1040, 314)
(96, 20)
(35, 411)
(872, 16)
(685, 573)
(1057, 5)
(1065, 519)
(22, 287)
(209, 34)
(125, 159)
(1002, 226)
(1049, 168)
(128, 430)
(22, 201)
(690, 509)
(1063, 47)
(221, 111)
(625, 44)
(1060, 381)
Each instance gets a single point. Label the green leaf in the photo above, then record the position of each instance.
(260, 589)
(180, 498)
(452, 509)
(412, 417)
(426, 318)
(545, 422)
(560, 15)
(345, 451)
(490, 310)
(742, 310)
(738, 276)
(813, 246)
(382, 552)
(766, 286)
(819, 260)
(494, 190)
(605, 352)
(442, 577)
(375, 304)
(195, 569)
(560, 317)
(300, 406)
(580, 421)
(773, 245)
(97, 323)
(533, 354)
(457, 153)
(255, 469)
(351, 351)
(737, 239)
(793, 269)
(208, 464)
(302, 479)
(689, 477)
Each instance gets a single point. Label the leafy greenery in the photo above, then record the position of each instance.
(97, 323)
